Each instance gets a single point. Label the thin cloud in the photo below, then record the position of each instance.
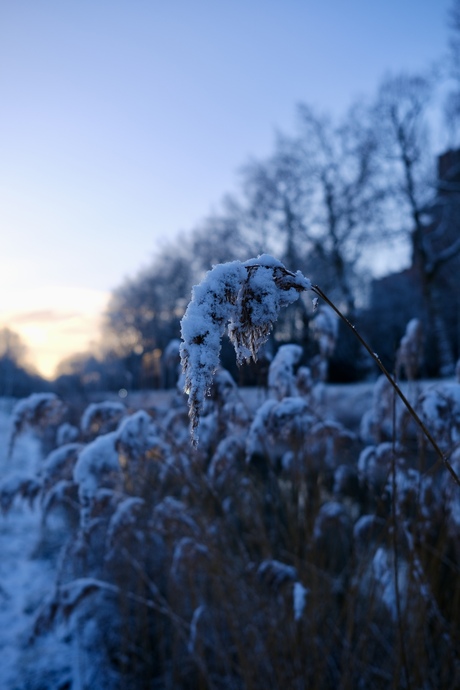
(43, 316)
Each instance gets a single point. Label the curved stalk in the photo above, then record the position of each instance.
(317, 290)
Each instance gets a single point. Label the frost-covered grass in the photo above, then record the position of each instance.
(310, 541)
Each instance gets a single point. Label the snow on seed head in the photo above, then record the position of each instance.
(246, 299)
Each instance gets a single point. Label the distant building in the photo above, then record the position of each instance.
(430, 291)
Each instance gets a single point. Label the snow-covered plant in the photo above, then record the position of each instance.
(227, 462)
(331, 444)
(281, 378)
(257, 441)
(410, 353)
(39, 412)
(386, 589)
(244, 298)
(66, 433)
(375, 464)
(326, 327)
(346, 488)
(405, 486)
(440, 409)
(332, 538)
(15, 486)
(304, 382)
(56, 474)
(223, 413)
(452, 505)
(225, 568)
(142, 453)
(279, 434)
(97, 468)
(275, 573)
(378, 422)
(101, 418)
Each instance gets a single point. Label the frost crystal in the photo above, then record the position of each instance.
(245, 298)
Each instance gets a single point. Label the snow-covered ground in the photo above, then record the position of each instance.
(25, 572)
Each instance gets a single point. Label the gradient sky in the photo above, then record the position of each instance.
(125, 122)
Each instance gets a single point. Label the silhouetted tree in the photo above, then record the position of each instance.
(317, 200)
(144, 313)
(424, 216)
(17, 377)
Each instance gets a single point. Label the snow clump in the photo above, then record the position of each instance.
(246, 299)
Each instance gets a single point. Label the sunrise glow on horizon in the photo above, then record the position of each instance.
(55, 322)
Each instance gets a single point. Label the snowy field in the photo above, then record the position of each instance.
(26, 573)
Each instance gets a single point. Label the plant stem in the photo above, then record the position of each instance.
(317, 290)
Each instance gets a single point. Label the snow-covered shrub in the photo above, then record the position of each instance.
(409, 357)
(41, 413)
(224, 412)
(331, 544)
(204, 571)
(281, 376)
(347, 489)
(440, 410)
(375, 464)
(18, 486)
(326, 328)
(59, 465)
(381, 422)
(142, 453)
(383, 587)
(66, 433)
(275, 573)
(58, 489)
(97, 469)
(189, 574)
(175, 425)
(279, 429)
(304, 382)
(246, 299)
(101, 418)
(227, 463)
(257, 441)
(331, 444)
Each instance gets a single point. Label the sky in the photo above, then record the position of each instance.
(124, 122)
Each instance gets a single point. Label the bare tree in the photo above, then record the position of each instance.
(144, 312)
(17, 376)
(414, 200)
(317, 200)
(340, 160)
(219, 237)
(400, 113)
(277, 198)
(452, 102)
(12, 347)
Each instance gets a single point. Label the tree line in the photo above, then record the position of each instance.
(336, 197)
